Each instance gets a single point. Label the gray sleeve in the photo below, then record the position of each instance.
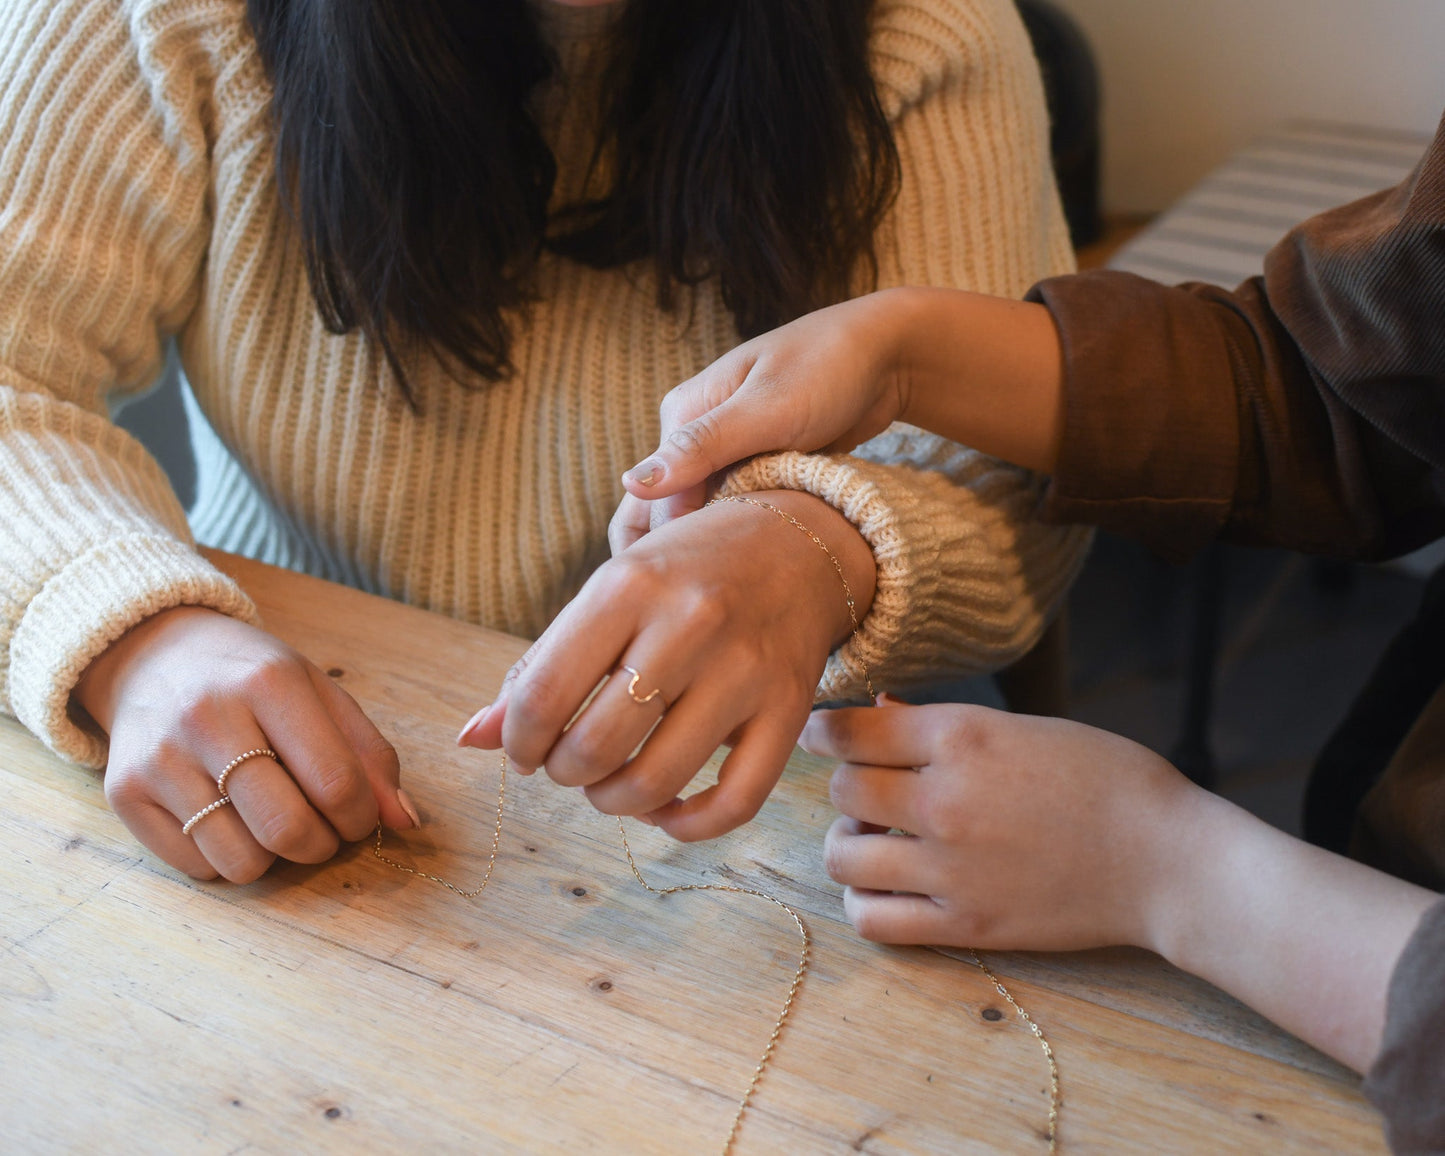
(1407, 1079)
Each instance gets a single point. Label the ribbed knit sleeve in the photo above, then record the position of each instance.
(967, 578)
(103, 233)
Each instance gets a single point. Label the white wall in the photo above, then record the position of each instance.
(1188, 81)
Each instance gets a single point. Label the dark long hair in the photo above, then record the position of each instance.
(743, 140)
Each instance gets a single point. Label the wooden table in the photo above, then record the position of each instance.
(352, 1008)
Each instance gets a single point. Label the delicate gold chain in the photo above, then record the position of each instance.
(1055, 1098)
(805, 940)
(838, 566)
(491, 859)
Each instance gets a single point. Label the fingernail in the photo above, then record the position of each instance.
(649, 473)
(474, 724)
(404, 801)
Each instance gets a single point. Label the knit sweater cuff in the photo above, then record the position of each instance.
(85, 607)
(966, 582)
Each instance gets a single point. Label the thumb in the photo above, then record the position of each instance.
(696, 450)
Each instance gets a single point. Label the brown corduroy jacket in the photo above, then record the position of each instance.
(1304, 409)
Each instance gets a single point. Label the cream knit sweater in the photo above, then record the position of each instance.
(137, 201)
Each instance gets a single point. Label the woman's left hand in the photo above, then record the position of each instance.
(728, 617)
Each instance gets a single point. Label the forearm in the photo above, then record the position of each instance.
(1305, 937)
(983, 371)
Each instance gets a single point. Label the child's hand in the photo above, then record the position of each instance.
(1023, 833)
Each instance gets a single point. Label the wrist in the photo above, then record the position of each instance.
(839, 540)
(102, 683)
(984, 371)
(897, 323)
(1184, 840)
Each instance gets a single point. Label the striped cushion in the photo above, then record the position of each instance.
(1221, 229)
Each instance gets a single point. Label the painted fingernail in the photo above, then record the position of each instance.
(404, 801)
(649, 473)
(474, 725)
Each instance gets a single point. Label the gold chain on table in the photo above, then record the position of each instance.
(805, 940)
(491, 859)
(1055, 1096)
(1055, 1099)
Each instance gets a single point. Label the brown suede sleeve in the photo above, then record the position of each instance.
(1305, 409)
(1407, 1080)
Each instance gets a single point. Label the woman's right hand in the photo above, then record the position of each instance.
(186, 691)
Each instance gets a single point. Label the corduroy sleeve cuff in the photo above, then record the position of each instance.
(1150, 445)
(85, 607)
(966, 580)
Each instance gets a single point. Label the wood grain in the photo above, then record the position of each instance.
(350, 1007)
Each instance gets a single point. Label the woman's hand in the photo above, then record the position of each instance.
(827, 381)
(729, 616)
(983, 371)
(185, 692)
(1023, 832)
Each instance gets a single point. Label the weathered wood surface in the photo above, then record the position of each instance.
(352, 1008)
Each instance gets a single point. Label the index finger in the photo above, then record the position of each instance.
(883, 736)
(378, 758)
(584, 643)
(300, 728)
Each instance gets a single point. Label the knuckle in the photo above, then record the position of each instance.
(279, 831)
(530, 704)
(126, 787)
(375, 750)
(564, 769)
(199, 714)
(632, 574)
(835, 859)
(677, 404)
(865, 917)
(970, 730)
(695, 437)
(729, 812)
(335, 786)
(970, 925)
(314, 846)
(249, 866)
(700, 613)
(270, 675)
